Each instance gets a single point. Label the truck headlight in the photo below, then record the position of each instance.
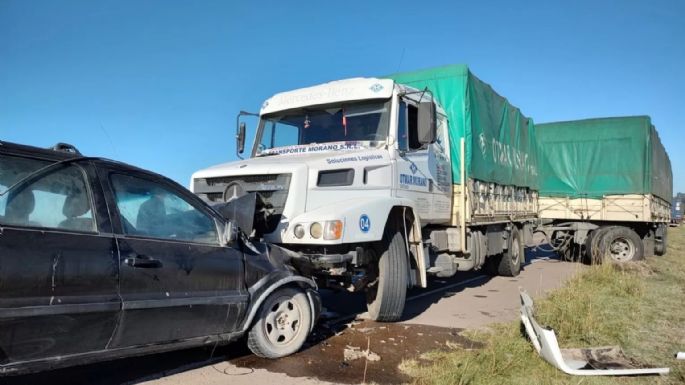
(333, 230)
(298, 231)
(315, 230)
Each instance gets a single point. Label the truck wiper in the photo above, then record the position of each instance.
(267, 154)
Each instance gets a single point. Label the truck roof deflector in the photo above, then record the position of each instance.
(602, 361)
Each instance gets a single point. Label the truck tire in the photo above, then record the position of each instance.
(512, 258)
(620, 244)
(385, 298)
(282, 324)
(660, 246)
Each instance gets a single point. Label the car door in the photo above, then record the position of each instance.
(177, 280)
(58, 266)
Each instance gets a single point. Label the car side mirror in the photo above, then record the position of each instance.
(426, 122)
(240, 138)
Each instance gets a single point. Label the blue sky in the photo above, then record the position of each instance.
(158, 83)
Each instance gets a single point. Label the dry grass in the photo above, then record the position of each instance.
(640, 307)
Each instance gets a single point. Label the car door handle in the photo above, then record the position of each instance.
(135, 260)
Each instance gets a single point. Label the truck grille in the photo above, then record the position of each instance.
(273, 189)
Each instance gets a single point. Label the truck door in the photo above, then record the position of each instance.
(177, 280)
(423, 170)
(58, 269)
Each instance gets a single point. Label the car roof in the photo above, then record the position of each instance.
(57, 155)
(36, 152)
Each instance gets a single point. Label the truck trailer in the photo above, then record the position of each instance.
(605, 188)
(376, 183)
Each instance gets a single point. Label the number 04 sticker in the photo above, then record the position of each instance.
(364, 223)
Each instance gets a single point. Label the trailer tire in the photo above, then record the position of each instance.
(511, 260)
(594, 255)
(620, 244)
(385, 298)
(660, 245)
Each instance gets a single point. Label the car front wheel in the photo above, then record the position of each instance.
(282, 325)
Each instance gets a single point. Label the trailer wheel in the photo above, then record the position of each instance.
(620, 244)
(660, 245)
(593, 252)
(510, 263)
(385, 297)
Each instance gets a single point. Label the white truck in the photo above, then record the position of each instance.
(376, 183)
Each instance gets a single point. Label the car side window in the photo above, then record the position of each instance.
(151, 209)
(57, 200)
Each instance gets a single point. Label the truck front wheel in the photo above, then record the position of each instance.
(386, 295)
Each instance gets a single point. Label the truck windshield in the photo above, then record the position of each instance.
(364, 124)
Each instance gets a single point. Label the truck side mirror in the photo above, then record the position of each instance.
(240, 138)
(426, 122)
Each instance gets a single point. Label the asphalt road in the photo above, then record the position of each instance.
(468, 300)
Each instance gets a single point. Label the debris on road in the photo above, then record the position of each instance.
(601, 361)
(354, 352)
(680, 356)
(342, 353)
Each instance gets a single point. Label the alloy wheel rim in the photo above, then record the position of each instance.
(283, 322)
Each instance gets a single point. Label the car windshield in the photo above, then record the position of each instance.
(355, 122)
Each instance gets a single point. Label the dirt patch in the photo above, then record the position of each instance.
(641, 268)
(340, 353)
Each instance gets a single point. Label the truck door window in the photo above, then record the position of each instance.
(150, 209)
(408, 133)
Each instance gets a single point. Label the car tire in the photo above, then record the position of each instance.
(511, 261)
(620, 244)
(282, 325)
(386, 296)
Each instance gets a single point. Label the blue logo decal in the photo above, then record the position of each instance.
(406, 179)
(364, 223)
(413, 168)
(377, 87)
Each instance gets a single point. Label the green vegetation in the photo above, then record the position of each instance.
(639, 307)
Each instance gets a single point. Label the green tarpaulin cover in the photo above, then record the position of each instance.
(596, 157)
(500, 141)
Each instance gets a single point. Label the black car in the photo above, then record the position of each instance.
(100, 260)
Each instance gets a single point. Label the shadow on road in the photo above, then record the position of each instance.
(134, 369)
